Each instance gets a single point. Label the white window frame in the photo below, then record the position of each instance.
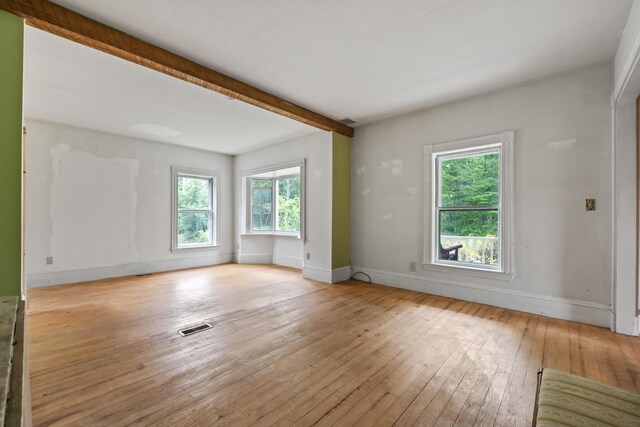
(248, 199)
(177, 171)
(502, 142)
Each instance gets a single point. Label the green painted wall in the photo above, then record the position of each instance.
(11, 45)
(341, 204)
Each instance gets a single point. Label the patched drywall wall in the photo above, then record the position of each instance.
(563, 254)
(286, 250)
(99, 205)
(92, 196)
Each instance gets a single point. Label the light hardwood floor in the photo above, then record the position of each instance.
(288, 351)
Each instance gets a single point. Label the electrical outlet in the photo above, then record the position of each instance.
(49, 260)
(308, 256)
(413, 266)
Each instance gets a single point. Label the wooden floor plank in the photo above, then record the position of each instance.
(290, 351)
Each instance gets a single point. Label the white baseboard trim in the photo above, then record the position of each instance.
(316, 273)
(325, 275)
(341, 274)
(88, 274)
(626, 325)
(287, 261)
(561, 308)
(255, 259)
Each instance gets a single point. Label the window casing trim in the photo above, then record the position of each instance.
(503, 141)
(274, 207)
(249, 175)
(177, 171)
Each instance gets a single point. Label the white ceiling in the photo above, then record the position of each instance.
(75, 85)
(364, 59)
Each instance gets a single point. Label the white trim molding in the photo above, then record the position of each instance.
(325, 275)
(99, 273)
(503, 142)
(627, 65)
(316, 273)
(341, 274)
(288, 261)
(561, 308)
(624, 283)
(246, 197)
(285, 261)
(176, 171)
(255, 259)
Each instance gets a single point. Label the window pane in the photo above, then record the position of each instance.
(472, 180)
(261, 222)
(194, 193)
(262, 204)
(261, 196)
(261, 209)
(194, 228)
(288, 204)
(469, 236)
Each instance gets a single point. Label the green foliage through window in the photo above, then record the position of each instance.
(468, 207)
(286, 192)
(195, 214)
(466, 181)
(288, 204)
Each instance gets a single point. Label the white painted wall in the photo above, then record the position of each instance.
(285, 250)
(100, 204)
(563, 262)
(627, 54)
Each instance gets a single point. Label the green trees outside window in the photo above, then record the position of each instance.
(468, 205)
(261, 208)
(195, 211)
(288, 204)
(275, 204)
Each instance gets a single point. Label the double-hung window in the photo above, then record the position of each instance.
(275, 201)
(470, 203)
(194, 209)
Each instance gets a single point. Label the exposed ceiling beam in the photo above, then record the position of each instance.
(66, 23)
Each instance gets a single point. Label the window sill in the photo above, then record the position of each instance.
(270, 233)
(200, 248)
(469, 271)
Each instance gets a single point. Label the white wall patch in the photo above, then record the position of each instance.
(94, 202)
(412, 190)
(562, 145)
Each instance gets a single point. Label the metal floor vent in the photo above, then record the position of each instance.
(195, 329)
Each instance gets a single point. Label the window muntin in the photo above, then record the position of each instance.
(194, 212)
(467, 208)
(261, 204)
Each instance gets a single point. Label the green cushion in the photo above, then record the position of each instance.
(570, 400)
